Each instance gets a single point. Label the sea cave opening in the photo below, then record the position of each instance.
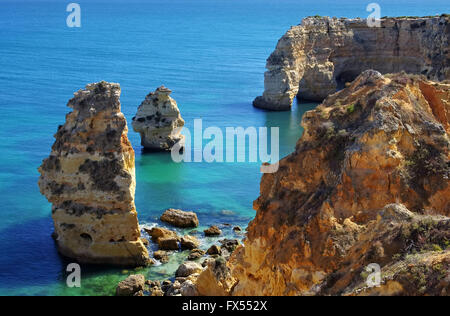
(346, 76)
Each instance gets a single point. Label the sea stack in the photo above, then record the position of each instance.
(158, 121)
(368, 185)
(319, 56)
(89, 178)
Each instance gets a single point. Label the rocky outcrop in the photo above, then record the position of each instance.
(179, 218)
(165, 238)
(228, 246)
(158, 232)
(411, 249)
(89, 178)
(214, 250)
(317, 57)
(189, 242)
(237, 229)
(213, 231)
(158, 121)
(328, 212)
(216, 279)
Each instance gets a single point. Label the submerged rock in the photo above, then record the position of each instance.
(327, 213)
(213, 231)
(179, 218)
(131, 286)
(237, 229)
(158, 121)
(317, 57)
(89, 178)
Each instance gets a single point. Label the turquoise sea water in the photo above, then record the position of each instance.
(211, 53)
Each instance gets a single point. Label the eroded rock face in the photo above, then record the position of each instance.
(317, 57)
(89, 178)
(216, 279)
(411, 249)
(327, 213)
(158, 121)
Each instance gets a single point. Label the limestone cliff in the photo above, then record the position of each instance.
(328, 212)
(158, 121)
(317, 57)
(89, 178)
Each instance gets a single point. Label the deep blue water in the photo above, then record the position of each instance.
(211, 53)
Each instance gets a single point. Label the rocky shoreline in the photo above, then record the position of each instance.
(89, 178)
(198, 274)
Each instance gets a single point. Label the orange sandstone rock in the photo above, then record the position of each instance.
(328, 212)
(89, 178)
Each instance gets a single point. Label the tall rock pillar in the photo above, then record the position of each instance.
(89, 178)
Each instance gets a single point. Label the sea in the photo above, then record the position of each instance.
(210, 53)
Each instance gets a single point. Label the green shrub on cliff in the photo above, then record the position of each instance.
(351, 109)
